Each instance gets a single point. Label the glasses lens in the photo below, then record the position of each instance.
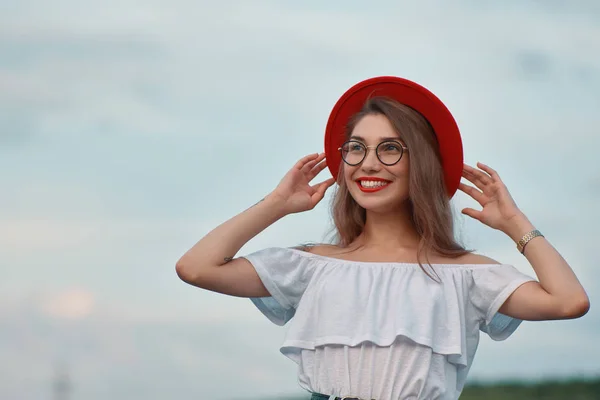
(389, 152)
(353, 152)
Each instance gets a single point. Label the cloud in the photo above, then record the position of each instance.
(146, 76)
(71, 304)
(179, 359)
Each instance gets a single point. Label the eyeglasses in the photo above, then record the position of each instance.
(388, 152)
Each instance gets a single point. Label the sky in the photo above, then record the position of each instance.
(130, 129)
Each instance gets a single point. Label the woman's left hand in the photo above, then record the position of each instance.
(499, 208)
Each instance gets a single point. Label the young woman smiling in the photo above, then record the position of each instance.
(394, 308)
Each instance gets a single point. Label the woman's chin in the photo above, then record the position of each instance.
(379, 204)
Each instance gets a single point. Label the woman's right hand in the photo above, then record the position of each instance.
(295, 190)
(209, 264)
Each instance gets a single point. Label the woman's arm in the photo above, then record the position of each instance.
(210, 263)
(558, 295)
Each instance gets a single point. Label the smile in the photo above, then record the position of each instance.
(372, 185)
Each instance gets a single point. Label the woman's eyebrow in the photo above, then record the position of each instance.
(382, 139)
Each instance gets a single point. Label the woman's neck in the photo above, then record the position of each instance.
(391, 231)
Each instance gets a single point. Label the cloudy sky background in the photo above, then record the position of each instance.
(129, 129)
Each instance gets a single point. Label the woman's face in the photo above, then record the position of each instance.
(374, 185)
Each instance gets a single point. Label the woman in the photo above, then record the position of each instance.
(394, 308)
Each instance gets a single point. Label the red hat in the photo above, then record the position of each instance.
(407, 93)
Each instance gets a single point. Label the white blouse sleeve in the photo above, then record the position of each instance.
(285, 274)
(492, 286)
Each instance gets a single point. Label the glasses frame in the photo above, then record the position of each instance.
(403, 147)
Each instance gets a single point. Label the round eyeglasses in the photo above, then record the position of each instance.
(388, 152)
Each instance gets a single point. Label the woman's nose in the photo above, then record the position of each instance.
(371, 162)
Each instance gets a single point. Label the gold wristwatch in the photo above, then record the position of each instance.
(526, 238)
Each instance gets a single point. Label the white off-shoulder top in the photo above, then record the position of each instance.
(383, 330)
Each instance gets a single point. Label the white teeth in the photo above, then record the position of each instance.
(370, 184)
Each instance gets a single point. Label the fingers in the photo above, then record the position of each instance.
(477, 177)
(320, 190)
(473, 192)
(489, 170)
(302, 162)
(316, 170)
(472, 213)
(323, 186)
(314, 167)
(310, 165)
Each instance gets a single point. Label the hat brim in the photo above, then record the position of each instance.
(412, 95)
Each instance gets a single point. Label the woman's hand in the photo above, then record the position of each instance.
(558, 294)
(499, 209)
(295, 190)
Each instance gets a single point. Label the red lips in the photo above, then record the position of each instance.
(373, 179)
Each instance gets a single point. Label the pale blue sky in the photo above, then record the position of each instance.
(129, 129)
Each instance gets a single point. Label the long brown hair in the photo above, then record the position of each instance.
(428, 199)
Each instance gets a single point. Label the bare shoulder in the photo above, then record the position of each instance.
(320, 249)
(473, 258)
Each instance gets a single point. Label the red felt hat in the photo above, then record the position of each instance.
(407, 93)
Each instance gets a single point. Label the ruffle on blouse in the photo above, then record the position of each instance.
(338, 302)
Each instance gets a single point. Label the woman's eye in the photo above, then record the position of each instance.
(391, 147)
